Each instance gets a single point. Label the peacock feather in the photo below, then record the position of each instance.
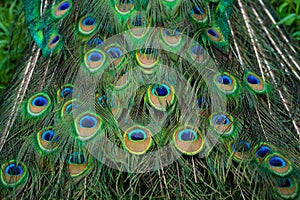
(160, 99)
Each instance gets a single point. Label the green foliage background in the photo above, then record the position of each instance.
(288, 11)
(10, 48)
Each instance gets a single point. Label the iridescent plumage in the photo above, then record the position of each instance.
(162, 99)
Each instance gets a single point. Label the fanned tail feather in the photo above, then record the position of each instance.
(133, 99)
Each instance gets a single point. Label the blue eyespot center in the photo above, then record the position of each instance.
(241, 146)
(48, 135)
(66, 92)
(198, 11)
(160, 90)
(88, 122)
(89, 21)
(283, 182)
(171, 32)
(77, 158)
(224, 79)
(198, 50)
(64, 6)
(95, 57)
(277, 162)
(253, 79)
(220, 119)
(263, 151)
(187, 135)
(94, 42)
(137, 135)
(213, 33)
(13, 170)
(138, 21)
(115, 52)
(39, 101)
(69, 108)
(54, 40)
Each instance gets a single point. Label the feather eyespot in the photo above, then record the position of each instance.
(48, 135)
(226, 83)
(254, 83)
(199, 14)
(221, 120)
(65, 92)
(47, 140)
(188, 140)
(64, 6)
(147, 59)
(187, 135)
(38, 104)
(284, 182)
(94, 42)
(171, 32)
(240, 150)
(116, 54)
(171, 37)
(197, 53)
(13, 174)
(160, 96)
(87, 25)
(88, 21)
(286, 187)
(87, 125)
(222, 124)
(13, 170)
(214, 34)
(53, 41)
(69, 107)
(137, 139)
(261, 151)
(278, 164)
(77, 164)
(252, 80)
(138, 26)
(39, 101)
(88, 122)
(226, 80)
(124, 7)
(62, 9)
(160, 91)
(94, 60)
(137, 136)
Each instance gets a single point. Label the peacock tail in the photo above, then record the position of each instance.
(160, 99)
